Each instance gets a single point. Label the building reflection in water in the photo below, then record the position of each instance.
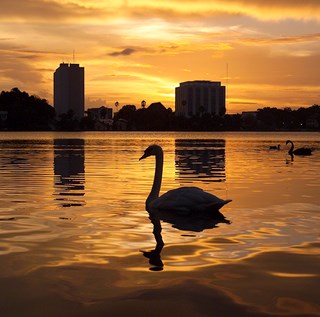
(69, 174)
(203, 160)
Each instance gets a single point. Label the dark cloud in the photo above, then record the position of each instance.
(40, 10)
(243, 103)
(125, 52)
(162, 49)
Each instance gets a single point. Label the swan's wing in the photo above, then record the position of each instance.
(188, 199)
(303, 151)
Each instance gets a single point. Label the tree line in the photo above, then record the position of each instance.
(20, 111)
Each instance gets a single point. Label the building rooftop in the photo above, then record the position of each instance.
(201, 82)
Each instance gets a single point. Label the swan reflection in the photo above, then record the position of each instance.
(154, 255)
(194, 223)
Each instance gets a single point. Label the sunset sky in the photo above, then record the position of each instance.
(266, 52)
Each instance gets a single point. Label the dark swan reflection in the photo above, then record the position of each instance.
(193, 222)
(154, 255)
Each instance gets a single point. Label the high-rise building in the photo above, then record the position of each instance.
(200, 96)
(69, 89)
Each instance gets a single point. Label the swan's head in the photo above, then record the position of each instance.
(151, 150)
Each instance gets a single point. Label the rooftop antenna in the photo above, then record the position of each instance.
(227, 81)
(227, 70)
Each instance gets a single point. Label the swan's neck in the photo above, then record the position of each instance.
(292, 147)
(155, 190)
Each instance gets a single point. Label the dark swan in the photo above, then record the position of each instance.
(299, 151)
(183, 200)
(274, 147)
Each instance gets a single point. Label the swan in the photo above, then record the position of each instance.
(299, 151)
(274, 147)
(183, 200)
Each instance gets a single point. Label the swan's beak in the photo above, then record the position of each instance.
(143, 157)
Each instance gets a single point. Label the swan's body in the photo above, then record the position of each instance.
(183, 200)
(187, 199)
(299, 151)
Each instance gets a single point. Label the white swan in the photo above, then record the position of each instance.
(183, 200)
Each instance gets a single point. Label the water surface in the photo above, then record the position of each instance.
(76, 240)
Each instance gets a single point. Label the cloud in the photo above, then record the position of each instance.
(278, 9)
(18, 70)
(125, 52)
(243, 103)
(138, 42)
(149, 50)
(174, 10)
(6, 39)
(278, 4)
(40, 10)
(284, 40)
(190, 10)
(197, 10)
(95, 103)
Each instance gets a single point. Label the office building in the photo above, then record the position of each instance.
(69, 90)
(200, 96)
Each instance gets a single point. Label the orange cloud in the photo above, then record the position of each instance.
(134, 50)
(284, 40)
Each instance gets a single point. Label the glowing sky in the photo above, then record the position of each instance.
(268, 52)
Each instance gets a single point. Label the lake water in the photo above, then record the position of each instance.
(76, 240)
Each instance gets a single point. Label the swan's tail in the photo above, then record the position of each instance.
(221, 204)
(214, 208)
(217, 206)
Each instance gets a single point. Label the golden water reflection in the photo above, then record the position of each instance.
(203, 159)
(90, 251)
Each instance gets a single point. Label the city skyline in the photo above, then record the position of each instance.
(264, 52)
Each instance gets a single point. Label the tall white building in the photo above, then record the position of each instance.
(69, 89)
(200, 96)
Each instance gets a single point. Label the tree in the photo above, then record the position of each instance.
(127, 113)
(26, 112)
(67, 122)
